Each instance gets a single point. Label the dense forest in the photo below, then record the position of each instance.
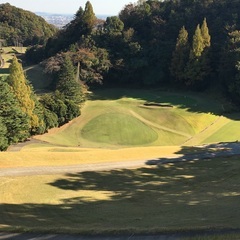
(178, 44)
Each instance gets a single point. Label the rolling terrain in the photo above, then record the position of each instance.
(118, 118)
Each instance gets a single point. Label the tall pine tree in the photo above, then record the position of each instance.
(198, 68)
(180, 56)
(198, 44)
(13, 119)
(205, 34)
(68, 85)
(23, 92)
(89, 18)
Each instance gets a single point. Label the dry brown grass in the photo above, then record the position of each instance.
(183, 196)
(44, 158)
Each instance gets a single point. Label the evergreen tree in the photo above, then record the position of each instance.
(23, 91)
(73, 110)
(89, 18)
(113, 25)
(198, 68)
(198, 44)
(3, 135)
(180, 56)
(205, 34)
(67, 85)
(13, 118)
(75, 29)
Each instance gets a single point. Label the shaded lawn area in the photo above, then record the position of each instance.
(173, 197)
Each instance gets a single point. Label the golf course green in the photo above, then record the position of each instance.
(115, 118)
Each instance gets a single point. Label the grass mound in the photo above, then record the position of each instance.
(118, 128)
(118, 117)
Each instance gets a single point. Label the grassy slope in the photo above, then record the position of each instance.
(119, 129)
(39, 80)
(124, 121)
(229, 132)
(193, 195)
(35, 74)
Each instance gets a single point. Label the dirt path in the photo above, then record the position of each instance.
(30, 67)
(17, 147)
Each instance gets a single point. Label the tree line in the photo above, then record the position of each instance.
(175, 43)
(23, 113)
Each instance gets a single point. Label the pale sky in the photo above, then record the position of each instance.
(106, 7)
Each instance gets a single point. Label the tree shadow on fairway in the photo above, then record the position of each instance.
(172, 196)
(195, 153)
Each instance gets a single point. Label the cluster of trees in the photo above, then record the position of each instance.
(19, 27)
(23, 114)
(77, 41)
(191, 65)
(188, 44)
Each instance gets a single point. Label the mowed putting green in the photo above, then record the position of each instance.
(118, 128)
(116, 118)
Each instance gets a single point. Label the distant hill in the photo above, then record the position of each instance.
(59, 20)
(18, 26)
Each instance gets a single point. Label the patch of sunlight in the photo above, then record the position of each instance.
(155, 183)
(230, 194)
(4, 226)
(185, 176)
(168, 165)
(187, 192)
(193, 203)
(178, 168)
(88, 195)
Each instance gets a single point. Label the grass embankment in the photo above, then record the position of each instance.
(124, 121)
(174, 197)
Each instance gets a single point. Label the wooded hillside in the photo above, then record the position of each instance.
(184, 44)
(18, 26)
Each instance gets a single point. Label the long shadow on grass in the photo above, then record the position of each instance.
(191, 101)
(201, 194)
(195, 153)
